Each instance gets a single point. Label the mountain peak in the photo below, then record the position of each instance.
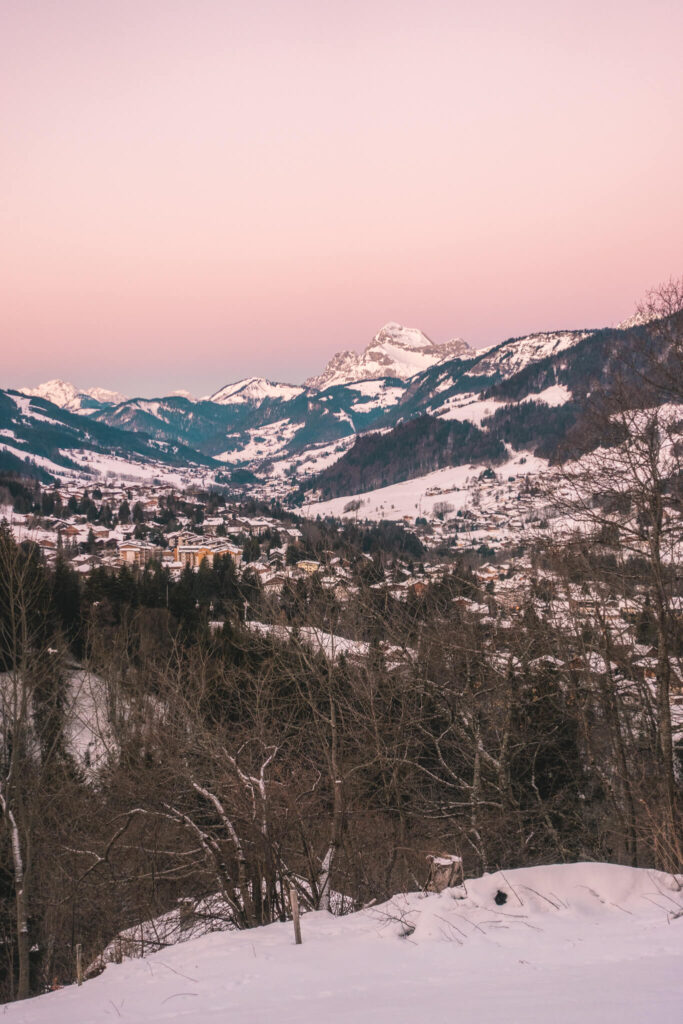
(405, 337)
(68, 396)
(395, 351)
(254, 390)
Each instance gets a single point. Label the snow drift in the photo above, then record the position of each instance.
(567, 943)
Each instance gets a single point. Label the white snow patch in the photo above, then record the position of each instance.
(556, 394)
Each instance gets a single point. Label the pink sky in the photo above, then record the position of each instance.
(196, 190)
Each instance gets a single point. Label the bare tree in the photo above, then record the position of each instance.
(660, 353)
(30, 733)
(625, 489)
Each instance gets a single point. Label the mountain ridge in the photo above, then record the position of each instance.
(396, 352)
(526, 393)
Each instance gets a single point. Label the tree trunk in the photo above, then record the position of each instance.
(325, 875)
(23, 947)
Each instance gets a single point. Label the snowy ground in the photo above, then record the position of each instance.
(331, 645)
(418, 496)
(572, 944)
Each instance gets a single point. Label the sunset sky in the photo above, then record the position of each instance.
(196, 190)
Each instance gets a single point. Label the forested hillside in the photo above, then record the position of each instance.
(411, 449)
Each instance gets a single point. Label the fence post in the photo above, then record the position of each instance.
(294, 902)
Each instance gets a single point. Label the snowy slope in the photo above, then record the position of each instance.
(470, 406)
(571, 944)
(71, 398)
(517, 353)
(417, 496)
(46, 437)
(395, 351)
(254, 390)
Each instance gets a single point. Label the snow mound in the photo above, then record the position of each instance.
(502, 908)
(588, 943)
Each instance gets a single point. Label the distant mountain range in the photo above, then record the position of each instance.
(395, 351)
(524, 393)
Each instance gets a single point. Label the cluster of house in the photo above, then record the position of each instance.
(91, 544)
(505, 586)
(496, 513)
(188, 550)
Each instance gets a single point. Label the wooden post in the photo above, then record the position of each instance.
(186, 916)
(294, 902)
(79, 964)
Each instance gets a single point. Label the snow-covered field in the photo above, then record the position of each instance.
(418, 496)
(571, 944)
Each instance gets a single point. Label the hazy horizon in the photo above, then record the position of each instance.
(195, 192)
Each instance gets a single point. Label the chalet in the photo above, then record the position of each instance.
(257, 526)
(193, 553)
(308, 566)
(136, 552)
(274, 584)
(486, 573)
(340, 588)
(212, 526)
(592, 664)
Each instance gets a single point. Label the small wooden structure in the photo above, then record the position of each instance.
(445, 871)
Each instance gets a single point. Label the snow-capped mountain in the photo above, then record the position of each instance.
(71, 398)
(259, 424)
(254, 390)
(514, 355)
(637, 319)
(395, 351)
